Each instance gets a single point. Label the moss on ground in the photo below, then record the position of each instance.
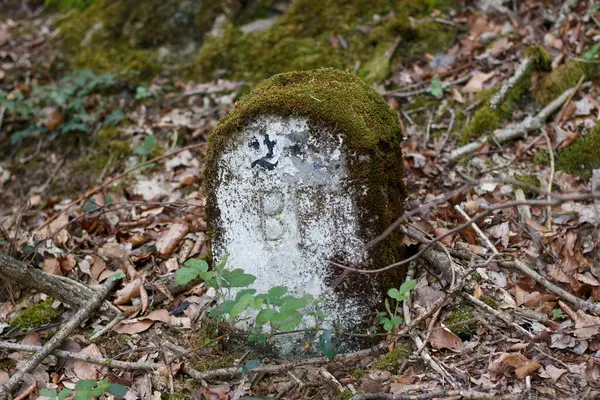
(486, 119)
(490, 301)
(343, 103)
(302, 39)
(34, 317)
(461, 321)
(530, 180)
(111, 148)
(393, 360)
(562, 78)
(581, 158)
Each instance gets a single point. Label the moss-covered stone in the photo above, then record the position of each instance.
(342, 102)
(486, 119)
(581, 158)
(461, 321)
(393, 360)
(34, 317)
(562, 78)
(302, 39)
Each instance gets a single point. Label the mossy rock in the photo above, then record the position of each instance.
(486, 119)
(301, 39)
(562, 78)
(581, 158)
(331, 162)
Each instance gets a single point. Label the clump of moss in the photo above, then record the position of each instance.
(541, 158)
(34, 317)
(224, 360)
(562, 78)
(490, 301)
(461, 322)
(392, 361)
(301, 39)
(485, 120)
(110, 148)
(581, 158)
(529, 180)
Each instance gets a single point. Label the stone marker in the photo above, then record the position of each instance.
(306, 170)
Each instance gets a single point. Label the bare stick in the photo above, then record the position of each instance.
(80, 316)
(506, 134)
(479, 232)
(551, 178)
(557, 200)
(108, 362)
(116, 178)
(440, 394)
(510, 83)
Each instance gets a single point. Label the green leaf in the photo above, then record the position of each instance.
(249, 365)
(244, 292)
(85, 384)
(101, 386)
(265, 316)
(117, 390)
(592, 53)
(183, 276)
(89, 205)
(241, 305)
(114, 117)
(83, 395)
(286, 320)
(237, 278)
(393, 293)
(436, 88)
(294, 304)
(326, 344)
(274, 295)
(408, 286)
(198, 264)
(63, 394)
(396, 320)
(142, 93)
(49, 393)
(118, 276)
(226, 306)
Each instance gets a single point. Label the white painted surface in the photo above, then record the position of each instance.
(287, 208)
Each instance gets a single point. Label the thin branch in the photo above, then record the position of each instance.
(510, 83)
(440, 394)
(80, 316)
(107, 362)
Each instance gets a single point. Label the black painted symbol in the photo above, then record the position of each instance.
(263, 161)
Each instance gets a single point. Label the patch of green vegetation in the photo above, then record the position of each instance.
(63, 4)
(461, 321)
(562, 78)
(541, 158)
(485, 120)
(345, 395)
(111, 148)
(302, 37)
(530, 180)
(224, 360)
(581, 158)
(346, 105)
(490, 301)
(393, 360)
(34, 317)
(180, 395)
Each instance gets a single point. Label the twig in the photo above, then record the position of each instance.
(479, 232)
(2, 111)
(80, 316)
(440, 394)
(116, 178)
(560, 115)
(510, 83)
(520, 130)
(426, 89)
(108, 362)
(563, 294)
(447, 135)
(30, 389)
(557, 200)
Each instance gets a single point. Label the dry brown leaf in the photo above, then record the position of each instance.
(441, 231)
(505, 365)
(169, 239)
(67, 263)
(133, 326)
(444, 338)
(115, 250)
(53, 120)
(164, 316)
(144, 298)
(475, 84)
(52, 266)
(552, 372)
(85, 370)
(97, 268)
(527, 369)
(129, 291)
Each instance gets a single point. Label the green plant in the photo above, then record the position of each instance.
(275, 311)
(74, 101)
(593, 53)
(87, 390)
(62, 4)
(436, 88)
(142, 93)
(391, 319)
(147, 148)
(558, 314)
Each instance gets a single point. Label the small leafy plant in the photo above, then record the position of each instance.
(86, 390)
(390, 320)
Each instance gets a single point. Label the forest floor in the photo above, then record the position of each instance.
(518, 319)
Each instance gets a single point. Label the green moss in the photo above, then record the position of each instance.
(461, 322)
(225, 360)
(529, 180)
(541, 158)
(485, 120)
(301, 39)
(490, 301)
(581, 158)
(109, 150)
(34, 317)
(343, 103)
(182, 395)
(562, 78)
(393, 360)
